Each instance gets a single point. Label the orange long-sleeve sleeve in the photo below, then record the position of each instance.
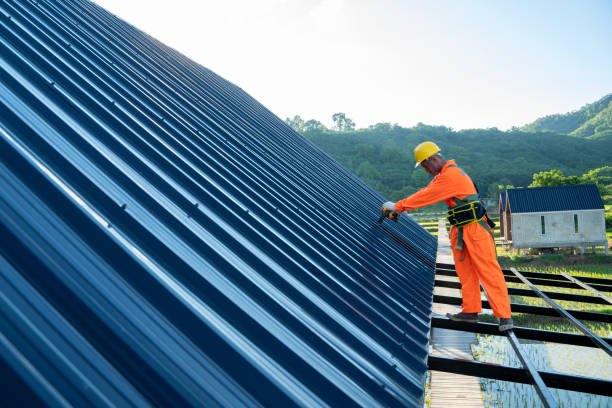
(450, 182)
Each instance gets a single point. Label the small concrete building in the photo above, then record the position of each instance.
(554, 217)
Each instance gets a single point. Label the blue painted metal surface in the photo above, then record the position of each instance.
(166, 240)
(559, 198)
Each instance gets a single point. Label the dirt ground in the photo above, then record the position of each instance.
(566, 260)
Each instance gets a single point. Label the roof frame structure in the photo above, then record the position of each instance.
(595, 338)
(591, 288)
(528, 293)
(540, 379)
(538, 310)
(518, 375)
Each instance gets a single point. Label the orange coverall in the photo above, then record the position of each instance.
(480, 262)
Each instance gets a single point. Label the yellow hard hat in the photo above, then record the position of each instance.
(424, 151)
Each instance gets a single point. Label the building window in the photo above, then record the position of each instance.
(543, 224)
(576, 223)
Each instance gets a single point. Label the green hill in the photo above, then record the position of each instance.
(592, 120)
(599, 125)
(383, 155)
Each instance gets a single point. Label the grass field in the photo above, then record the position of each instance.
(430, 226)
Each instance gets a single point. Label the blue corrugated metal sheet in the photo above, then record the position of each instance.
(502, 200)
(559, 198)
(168, 241)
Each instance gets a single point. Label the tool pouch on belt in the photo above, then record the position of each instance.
(468, 211)
(465, 214)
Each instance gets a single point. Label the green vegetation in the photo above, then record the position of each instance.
(382, 154)
(383, 158)
(592, 120)
(430, 225)
(544, 260)
(556, 178)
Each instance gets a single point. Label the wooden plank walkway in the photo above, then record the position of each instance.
(451, 390)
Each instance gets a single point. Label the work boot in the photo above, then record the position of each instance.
(463, 317)
(505, 324)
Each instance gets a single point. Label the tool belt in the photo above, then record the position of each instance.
(468, 211)
(465, 214)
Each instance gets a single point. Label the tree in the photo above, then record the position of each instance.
(490, 157)
(296, 123)
(419, 178)
(342, 122)
(367, 171)
(555, 177)
(497, 187)
(380, 127)
(595, 176)
(365, 151)
(389, 154)
(312, 126)
(550, 178)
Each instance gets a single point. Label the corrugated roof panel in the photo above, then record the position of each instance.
(166, 240)
(558, 198)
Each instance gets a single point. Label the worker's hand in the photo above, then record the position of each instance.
(388, 212)
(388, 206)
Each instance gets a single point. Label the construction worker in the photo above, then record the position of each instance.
(470, 235)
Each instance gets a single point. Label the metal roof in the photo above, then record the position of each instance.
(168, 241)
(558, 198)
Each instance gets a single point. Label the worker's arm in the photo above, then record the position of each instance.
(440, 188)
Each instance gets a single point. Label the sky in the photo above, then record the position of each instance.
(460, 64)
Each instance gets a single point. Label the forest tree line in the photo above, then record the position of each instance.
(382, 154)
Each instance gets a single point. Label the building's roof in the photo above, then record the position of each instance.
(502, 200)
(168, 241)
(559, 198)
